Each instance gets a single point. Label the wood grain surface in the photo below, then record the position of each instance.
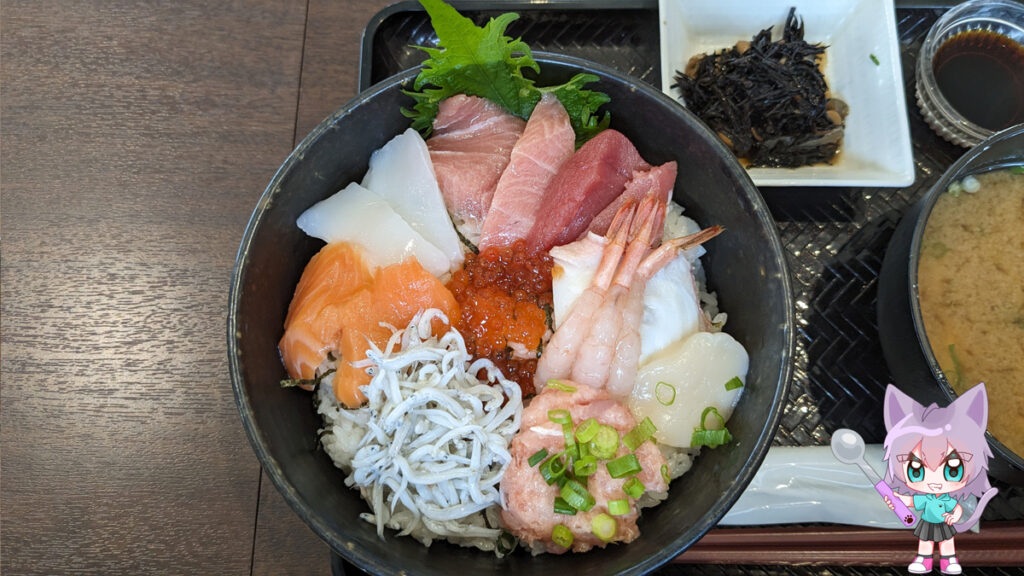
(136, 138)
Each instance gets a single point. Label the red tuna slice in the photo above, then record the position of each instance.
(595, 175)
(658, 180)
(470, 148)
(546, 144)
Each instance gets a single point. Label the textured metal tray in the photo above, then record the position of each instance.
(835, 238)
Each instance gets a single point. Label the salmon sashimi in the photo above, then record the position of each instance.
(398, 293)
(470, 148)
(595, 175)
(658, 181)
(313, 324)
(548, 141)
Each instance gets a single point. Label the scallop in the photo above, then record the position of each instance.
(675, 385)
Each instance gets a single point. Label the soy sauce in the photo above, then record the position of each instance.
(981, 74)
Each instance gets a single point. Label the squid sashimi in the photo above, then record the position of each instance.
(313, 324)
(659, 181)
(397, 294)
(357, 215)
(595, 175)
(527, 511)
(676, 385)
(402, 173)
(470, 148)
(548, 141)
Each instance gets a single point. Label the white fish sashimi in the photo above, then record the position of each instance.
(402, 173)
(671, 307)
(574, 266)
(678, 383)
(357, 215)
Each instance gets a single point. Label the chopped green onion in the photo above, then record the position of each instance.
(506, 543)
(552, 469)
(585, 466)
(664, 474)
(587, 430)
(957, 367)
(710, 438)
(639, 434)
(558, 385)
(577, 496)
(665, 393)
(538, 457)
(633, 488)
(734, 383)
(1017, 170)
(874, 59)
(623, 466)
(604, 526)
(618, 507)
(606, 443)
(561, 535)
(584, 449)
(560, 416)
(571, 447)
(562, 507)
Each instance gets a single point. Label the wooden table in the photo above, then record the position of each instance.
(136, 138)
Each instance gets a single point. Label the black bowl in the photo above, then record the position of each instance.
(900, 325)
(745, 265)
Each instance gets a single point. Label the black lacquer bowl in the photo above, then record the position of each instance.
(745, 265)
(900, 324)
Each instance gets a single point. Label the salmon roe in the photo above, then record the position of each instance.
(503, 292)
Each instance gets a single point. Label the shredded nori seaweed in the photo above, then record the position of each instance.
(767, 100)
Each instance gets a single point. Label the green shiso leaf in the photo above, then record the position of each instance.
(484, 62)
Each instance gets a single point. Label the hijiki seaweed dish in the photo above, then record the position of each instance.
(507, 332)
(767, 100)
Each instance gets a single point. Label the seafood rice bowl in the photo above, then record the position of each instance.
(506, 375)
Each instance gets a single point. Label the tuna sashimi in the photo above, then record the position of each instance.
(595, 175)
(402, 173)
(546, 144)
(470, 148)
(313, 324)
(357, 215)
(398, 292)
(658, 180)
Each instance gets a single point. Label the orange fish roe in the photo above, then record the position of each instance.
(503, 292)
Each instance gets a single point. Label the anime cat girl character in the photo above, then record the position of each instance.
(936, 458)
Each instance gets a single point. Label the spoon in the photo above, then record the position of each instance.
(848, 448)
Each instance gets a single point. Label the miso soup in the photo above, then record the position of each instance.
(971, 287)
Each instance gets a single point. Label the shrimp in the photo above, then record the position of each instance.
(598, 343)
(621, 375)
(561, 350)
(595, 355)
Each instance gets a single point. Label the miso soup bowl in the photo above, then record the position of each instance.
(900, 325)
(745, 265)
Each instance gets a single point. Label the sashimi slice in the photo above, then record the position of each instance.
(357, 215)
(595, 175)
(313, 324)
(658, 180)
(574, 266)
(470, 148)
(402, 173)
(547, 143)
(398, 292)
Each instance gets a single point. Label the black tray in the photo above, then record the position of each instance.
(835, 238)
